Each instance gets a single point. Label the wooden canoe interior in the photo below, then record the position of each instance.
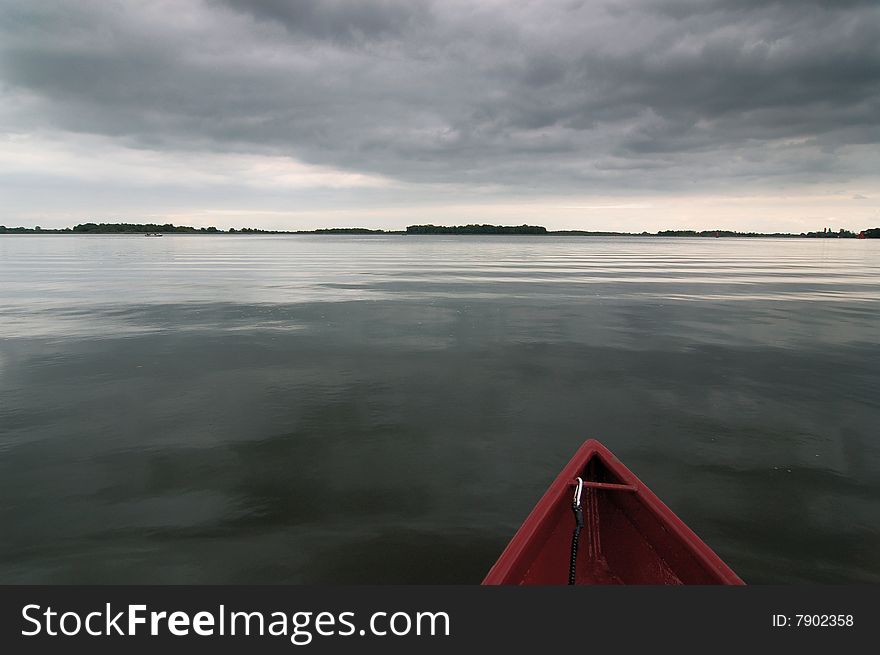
(623, 542)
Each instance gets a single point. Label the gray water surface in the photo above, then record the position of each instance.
(333, 409)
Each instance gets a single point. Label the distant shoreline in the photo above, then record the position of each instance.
(152, 229)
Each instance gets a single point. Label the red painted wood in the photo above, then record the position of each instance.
(605, 485)
(630, 535)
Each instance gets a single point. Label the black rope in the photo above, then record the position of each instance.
(578, 510)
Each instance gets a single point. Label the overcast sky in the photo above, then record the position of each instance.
(626, 114)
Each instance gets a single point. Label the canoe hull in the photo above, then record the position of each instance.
(630, 535)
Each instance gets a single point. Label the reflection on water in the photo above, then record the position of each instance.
(388, 409)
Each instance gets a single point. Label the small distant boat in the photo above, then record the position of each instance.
(152, 234)
(599, 524)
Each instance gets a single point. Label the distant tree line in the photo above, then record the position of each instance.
(168, 228)
(116, 228)
(32, 230)
(347, 230)
(720, 233)
(476, 229)
(828, 234)
(594, 233)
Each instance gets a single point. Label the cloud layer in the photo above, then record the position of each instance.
(508, 100)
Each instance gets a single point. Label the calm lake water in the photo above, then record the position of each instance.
(333, 409)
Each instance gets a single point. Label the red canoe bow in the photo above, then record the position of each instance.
(629, 535)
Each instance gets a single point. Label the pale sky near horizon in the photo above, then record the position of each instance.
(631, 115)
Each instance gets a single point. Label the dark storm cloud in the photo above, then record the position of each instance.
(343, 20)
(563, 95)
